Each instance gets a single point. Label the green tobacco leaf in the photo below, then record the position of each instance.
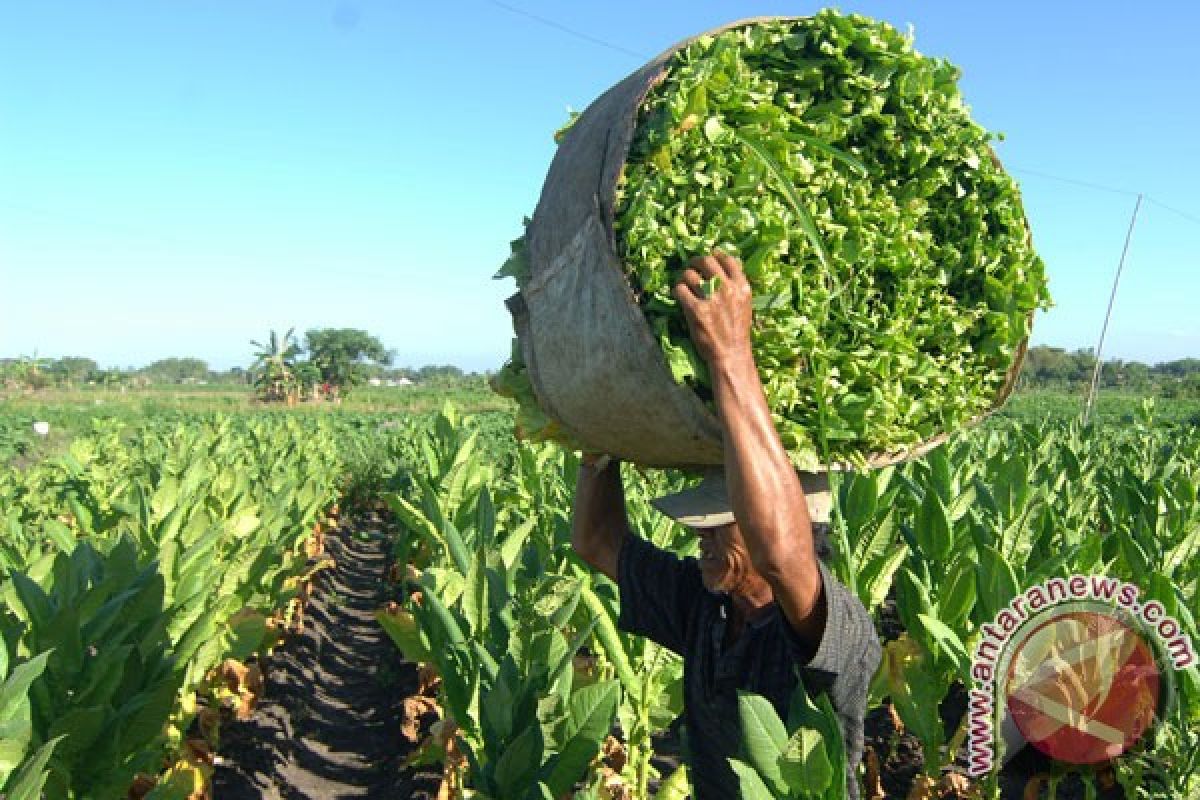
(803, 217)
(518, 765)
(876, 578)
(61, 535)
(514, 540)
(750, 784)
(610, 642)
(933, 532)
(443, 628)
(591, 710)
(957, 593)
(460, 681)
(805, 714)
(15, 690)
(496, 706)
(245, 635)
(79, 729)
(676, 785)
(33, 599)
(996, 584)
(589, 719)
(764, 739)
(202, 631)
(949, 646)
(28, 782)
(485, 522)
(805, 765)
(402, 628)
(147, 714)
(475, 606)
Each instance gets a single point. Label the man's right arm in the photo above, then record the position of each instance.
(657, 589)
(599, 524)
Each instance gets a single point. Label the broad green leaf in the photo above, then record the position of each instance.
(27, 782)
(517, 766)
(676, 785)
(934, 535)
(589, 718)
(949, 646)
(475, 599)
(750, 784)
(764, 738)
(15, 689)
(402, 627)
(610, 641)
(804, 765)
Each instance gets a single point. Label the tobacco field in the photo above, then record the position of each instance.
(154, 565)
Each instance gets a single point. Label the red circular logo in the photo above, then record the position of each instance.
(1083, 686)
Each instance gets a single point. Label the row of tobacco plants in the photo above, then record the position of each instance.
(140, 571)
(540, 696)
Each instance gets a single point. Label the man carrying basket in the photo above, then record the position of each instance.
(758, 610)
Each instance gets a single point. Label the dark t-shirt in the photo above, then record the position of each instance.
(663, 598)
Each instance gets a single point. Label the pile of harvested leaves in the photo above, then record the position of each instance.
(892, 269)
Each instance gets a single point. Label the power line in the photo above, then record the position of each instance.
(1112, 189)
(1183, 214)
(1087, 184)
(587, 37)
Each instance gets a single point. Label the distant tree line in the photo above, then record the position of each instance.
(1056, 368)
(76, 371)
(347, 357)
(329, 363)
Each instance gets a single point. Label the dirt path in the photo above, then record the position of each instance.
(328, 725)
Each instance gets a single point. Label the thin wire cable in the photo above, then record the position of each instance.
(1087, 411)
(1112, 189)
(587, 37)
(1087, 184)
(1183, 214)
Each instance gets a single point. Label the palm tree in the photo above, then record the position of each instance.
(275, 368)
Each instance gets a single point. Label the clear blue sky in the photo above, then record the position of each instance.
(178, 178)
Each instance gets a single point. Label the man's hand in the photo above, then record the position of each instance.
(768, 500)
(718, 304)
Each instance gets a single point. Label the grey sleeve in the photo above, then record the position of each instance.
(844, 661)
(658, 592)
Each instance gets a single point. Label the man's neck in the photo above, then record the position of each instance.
(751, 600)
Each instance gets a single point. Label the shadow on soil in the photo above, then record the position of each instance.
(328, 724)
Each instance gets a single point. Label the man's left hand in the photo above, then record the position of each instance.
(718, 303)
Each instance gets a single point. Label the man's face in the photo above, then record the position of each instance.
(724, 560)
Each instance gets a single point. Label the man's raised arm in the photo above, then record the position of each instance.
(767, 498)
(599, 523)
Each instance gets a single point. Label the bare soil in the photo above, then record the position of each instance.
(328, 724)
